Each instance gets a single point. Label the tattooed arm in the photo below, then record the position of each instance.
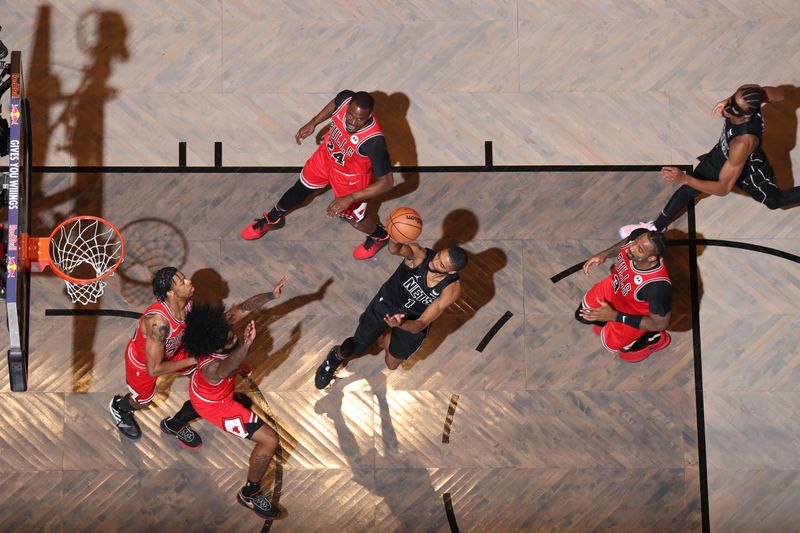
(156, 331)
(237, 312)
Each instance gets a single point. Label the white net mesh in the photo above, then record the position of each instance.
(87, 249)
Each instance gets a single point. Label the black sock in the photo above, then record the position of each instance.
(252, 488)
(124, 404)
(379, 234)
(275, 213)
(182, 417)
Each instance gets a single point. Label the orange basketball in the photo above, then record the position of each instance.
(404, 225)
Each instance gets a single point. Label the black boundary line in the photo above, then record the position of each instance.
(92, 312)
(702, 464)
(492, 332)
(448, 419)
(134, 169)
(448, 508)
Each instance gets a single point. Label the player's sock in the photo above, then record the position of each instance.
(661, 222)
(251, 488)
(182, 417)
(275, 213)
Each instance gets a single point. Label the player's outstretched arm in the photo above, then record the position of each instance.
(449, 295)
(257, 301)
(599, 259)
(308, 128)
(218, 370)
(376, 188)
(156, 331)
(413, 253)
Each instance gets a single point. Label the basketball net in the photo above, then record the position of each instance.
(83, 251)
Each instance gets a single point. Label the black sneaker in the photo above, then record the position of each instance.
(326, 370)
(187, 437)
(259, 504)
(260, 226)
(124, 421)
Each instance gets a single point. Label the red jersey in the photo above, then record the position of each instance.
(627, 281)
(201, 389)
(343, 147)
(173, 342)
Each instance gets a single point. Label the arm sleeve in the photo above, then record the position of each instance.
(658, 295)
(375, 149)
(341, 97)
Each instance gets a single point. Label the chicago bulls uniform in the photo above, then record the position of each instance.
(215, 403)
(630, 291)
(347, 161)
(141, 384)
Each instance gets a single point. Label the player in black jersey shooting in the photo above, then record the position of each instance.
(423, 286)
(738, 159)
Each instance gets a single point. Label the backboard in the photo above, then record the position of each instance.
(17, 277)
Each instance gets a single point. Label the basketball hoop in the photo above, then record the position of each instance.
(82, 251)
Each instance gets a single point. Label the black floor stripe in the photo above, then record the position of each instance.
(492, 332)
(451, 516)
(702, 463)
(448, 420)
(92, 312)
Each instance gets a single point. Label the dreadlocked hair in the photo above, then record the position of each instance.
(206, 330)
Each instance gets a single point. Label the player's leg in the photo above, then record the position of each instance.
(142, 390)
(402, 346)
(761, 186)
(601, 290)
(178, 425)
(250, 495)
(377, 237)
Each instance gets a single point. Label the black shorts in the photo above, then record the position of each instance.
(371, 326)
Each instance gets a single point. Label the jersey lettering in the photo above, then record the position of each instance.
(409, 303)
(416, 292)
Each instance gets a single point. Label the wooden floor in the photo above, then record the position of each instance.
(547, 430)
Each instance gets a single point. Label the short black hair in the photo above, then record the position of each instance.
(659, 242)
(162, 282)
(458, 257)
(206, 331)
(364, 100)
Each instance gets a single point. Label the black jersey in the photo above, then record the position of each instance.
(711, 163)
(407, 290)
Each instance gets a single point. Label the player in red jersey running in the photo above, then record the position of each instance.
(352, 159)
(631, 308)
(155, 350)
(209, 337)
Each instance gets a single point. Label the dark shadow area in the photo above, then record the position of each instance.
(80, 116)
(417, 486)
(677, 259)
(780, 135)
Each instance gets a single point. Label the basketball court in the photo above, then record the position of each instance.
(511, 417)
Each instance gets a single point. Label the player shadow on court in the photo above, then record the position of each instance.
(677, 260)
(80, 119)
(477, 282)
(780, 135)
(416, 481)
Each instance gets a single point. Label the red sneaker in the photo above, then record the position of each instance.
(257, 229)
(370, 247)
(644, 353)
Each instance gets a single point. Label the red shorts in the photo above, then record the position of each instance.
(141, 384)
(615, 335)
(320, 171)
(227, 414)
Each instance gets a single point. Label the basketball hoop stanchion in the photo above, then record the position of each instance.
(82, 250)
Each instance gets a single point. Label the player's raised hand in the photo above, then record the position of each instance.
(303, 132)
(674, 175)
(276, 292)
(250, 333)
(598, 259)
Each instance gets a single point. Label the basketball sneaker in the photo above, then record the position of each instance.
(640, 355)
(259, 504)
(186, 436)
(261, 226)
(124, 420)
(624, 231)
(326, 370)
(370, 247)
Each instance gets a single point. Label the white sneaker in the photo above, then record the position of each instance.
(624, 231)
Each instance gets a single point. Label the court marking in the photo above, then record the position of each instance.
(448, 419)
(493, 331)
